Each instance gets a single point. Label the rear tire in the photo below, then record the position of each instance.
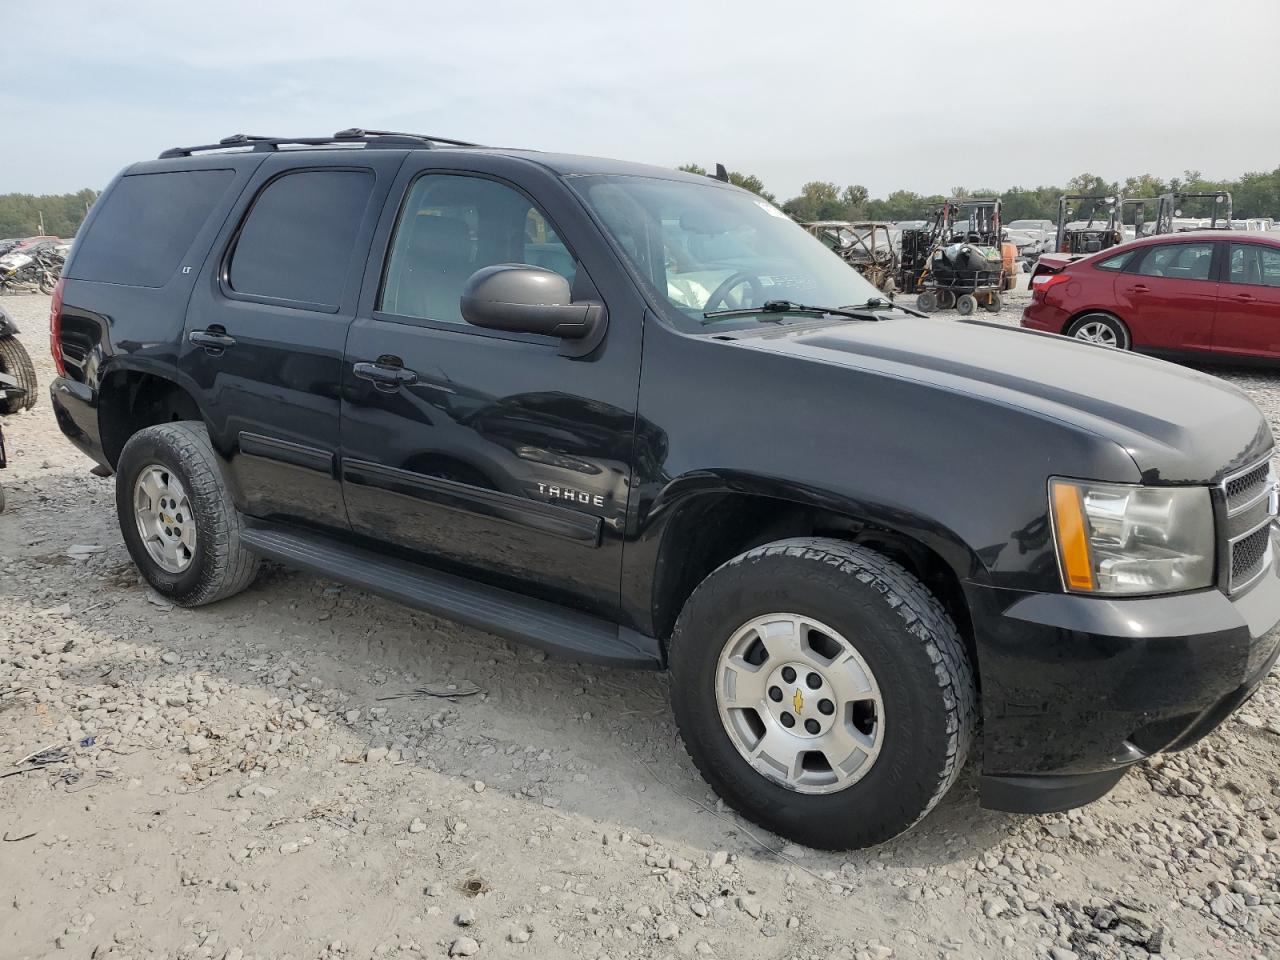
(966, 304)
(1101, 329)
(16, 362)
(926, 302)
(852, 613)
(214, 564)
(994, 302)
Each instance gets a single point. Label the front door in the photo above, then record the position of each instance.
(267, 324)
(1169, 296)
(488, 452)
(1248, 321)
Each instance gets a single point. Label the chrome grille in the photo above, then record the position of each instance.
(1249, 556)
(1244, 487)
(1251, 501)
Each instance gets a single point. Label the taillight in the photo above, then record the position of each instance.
(1041, 283)
(55, 328)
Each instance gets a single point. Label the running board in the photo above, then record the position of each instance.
(558, 630)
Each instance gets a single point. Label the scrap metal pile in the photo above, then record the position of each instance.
(32, 263)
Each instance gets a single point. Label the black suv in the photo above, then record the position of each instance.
(638, 416)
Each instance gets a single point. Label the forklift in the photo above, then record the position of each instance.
(1170, 205)
(1096, 233)
(960, 260)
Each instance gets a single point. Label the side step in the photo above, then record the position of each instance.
(558, 630)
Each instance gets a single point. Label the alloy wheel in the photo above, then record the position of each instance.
(162, 511)
(800, 703)
(1096, 331)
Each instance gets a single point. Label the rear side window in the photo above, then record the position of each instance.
(146, 226)
(1114, 263)
(296, 242)
(1181, 261)
(1255, 264)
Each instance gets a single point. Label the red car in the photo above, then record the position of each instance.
(1181, 295)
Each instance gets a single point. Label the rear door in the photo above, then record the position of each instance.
(1248, 321)
(1169, 295)
(488, 452)
(267, 325)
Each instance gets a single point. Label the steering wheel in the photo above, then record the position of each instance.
(722, 291)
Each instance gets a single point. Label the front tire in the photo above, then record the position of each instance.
(966, 304)
(177, 517)
(872, 674)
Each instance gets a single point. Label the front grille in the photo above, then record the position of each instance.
(1249, 556)
(1246, 486)
(1249, 502)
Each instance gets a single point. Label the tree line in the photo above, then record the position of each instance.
(22, 213)
(1253, 195)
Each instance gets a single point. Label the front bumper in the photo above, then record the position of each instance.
(1076, 689)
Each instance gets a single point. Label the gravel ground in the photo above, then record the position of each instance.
(305, 771)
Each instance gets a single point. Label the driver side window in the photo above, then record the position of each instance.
(451, 226)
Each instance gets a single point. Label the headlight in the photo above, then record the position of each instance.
(1121, 539)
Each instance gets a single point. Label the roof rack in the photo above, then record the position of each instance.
(370, 139)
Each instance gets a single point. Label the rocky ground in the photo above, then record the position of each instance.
(305, 771)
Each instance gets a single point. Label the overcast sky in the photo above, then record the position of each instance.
(914, 94)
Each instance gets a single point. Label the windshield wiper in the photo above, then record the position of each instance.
(880, 303)
(866, 311)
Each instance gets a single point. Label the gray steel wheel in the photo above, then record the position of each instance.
(800, 703)
(166, 524)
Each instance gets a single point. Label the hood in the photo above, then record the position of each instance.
(1178, 425)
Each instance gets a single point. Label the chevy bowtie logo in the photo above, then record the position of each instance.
(798, 701)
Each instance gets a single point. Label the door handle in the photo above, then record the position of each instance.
(214, 339)
(1139, 288)
(1245, 296)
(385, 375)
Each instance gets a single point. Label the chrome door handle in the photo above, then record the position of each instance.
(214, 339)
(385, 375)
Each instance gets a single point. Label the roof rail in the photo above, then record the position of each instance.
(354, 135)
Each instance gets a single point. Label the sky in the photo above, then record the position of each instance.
(922, 95)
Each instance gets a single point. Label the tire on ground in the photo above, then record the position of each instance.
(906, 638)
(16, 362)
(220, 565)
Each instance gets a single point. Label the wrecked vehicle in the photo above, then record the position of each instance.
(867, 246)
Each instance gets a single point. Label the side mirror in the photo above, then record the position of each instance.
(520, 298)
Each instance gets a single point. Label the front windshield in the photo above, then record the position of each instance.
(707, 247)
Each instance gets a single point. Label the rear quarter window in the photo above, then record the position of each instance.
(295, 244)
(146, 225)
(1114, 263)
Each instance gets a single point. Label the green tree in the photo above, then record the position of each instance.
(747, 181)
(21, 213)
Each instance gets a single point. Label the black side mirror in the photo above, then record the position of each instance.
(520, 298)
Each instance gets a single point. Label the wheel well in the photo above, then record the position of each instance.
(128, 401)
(717, 528)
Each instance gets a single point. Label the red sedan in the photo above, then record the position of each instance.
(1178, 295)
